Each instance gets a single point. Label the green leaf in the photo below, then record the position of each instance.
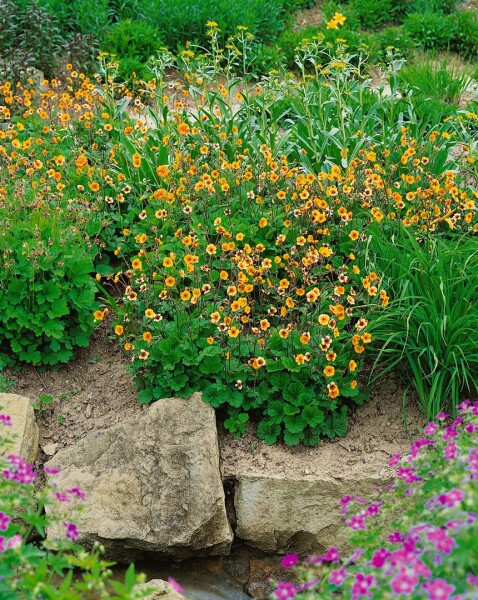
(291, 438)
(145, 396)
(293, 391)
(312, 415)
(295, 424)
(269, 432)
(216, 394)
(211, 364)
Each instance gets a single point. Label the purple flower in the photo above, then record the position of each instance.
(438, 589)
(473, 463)
(174, 585)
(395, 538)
(51, 471)
(290, 560)
(72, 532)
(361, 585)
(76, 491)
(357, 522)
(2, 544)
(441, 540)
(284, 591)
(332, 554)
(407, 475)
(450, 451)
(6, 420)
(338, 576)
(404, 583)
(61, 497)
(4, 521)
(472, 579)
(374, 509)
(430, 429)
(441, 416)
(454, 497)
(449, 433)
(379, 558)
(394, 460)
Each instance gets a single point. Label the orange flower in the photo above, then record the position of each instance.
(147, 337)
(136, 160)
(137, 264)
(119, 329)
(183, 128)
(329, 371)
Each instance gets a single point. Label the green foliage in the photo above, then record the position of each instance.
(465, 33)
(88, 17)
(133, 42)
(371, 14)
(429, 30)
(181, 21)
(46, 291)
(436, 84)
(432, 324)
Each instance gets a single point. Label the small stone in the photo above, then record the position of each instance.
(88, 411)
(50, 449)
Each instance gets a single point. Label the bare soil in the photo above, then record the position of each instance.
(308, 17)
(94, 391)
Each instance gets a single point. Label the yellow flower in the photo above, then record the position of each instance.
(137, 264)
(119, 330)
(147, 337)
(329, 371)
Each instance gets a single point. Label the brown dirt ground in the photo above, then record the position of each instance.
(94, 391)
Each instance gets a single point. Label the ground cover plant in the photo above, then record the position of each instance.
(418, 537)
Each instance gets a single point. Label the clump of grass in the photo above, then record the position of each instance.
(431, 326)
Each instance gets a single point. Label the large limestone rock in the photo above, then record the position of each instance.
(280, 514)
(24, 425)
(162, 590)
(152, 483)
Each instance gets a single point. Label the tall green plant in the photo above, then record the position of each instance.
(431, 326)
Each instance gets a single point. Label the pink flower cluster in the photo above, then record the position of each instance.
(415, 561)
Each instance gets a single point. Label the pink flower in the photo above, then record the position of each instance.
(374, 509)
(14, 542)
(430, 429)
(4, 521)
(441, 416)
(395, 538)
(338, 576)
(332, 554)
(290, 560)
(361, 585)
(72, 532)
(6, 420)
(442, 541)
(449, 433)
(357, 522)
(438, 589)
(174, 585)
(394, 460)
(61, 497)
(51, 471)
(76, 491)
(450, 451)
(404, 583)
(454, 497)
(472, 579)
(284, 591)
(379, 558)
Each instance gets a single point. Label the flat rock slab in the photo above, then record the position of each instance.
(152, 483)
(24, 425)
(281, 514)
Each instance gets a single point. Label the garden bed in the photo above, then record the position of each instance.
(94, 391)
